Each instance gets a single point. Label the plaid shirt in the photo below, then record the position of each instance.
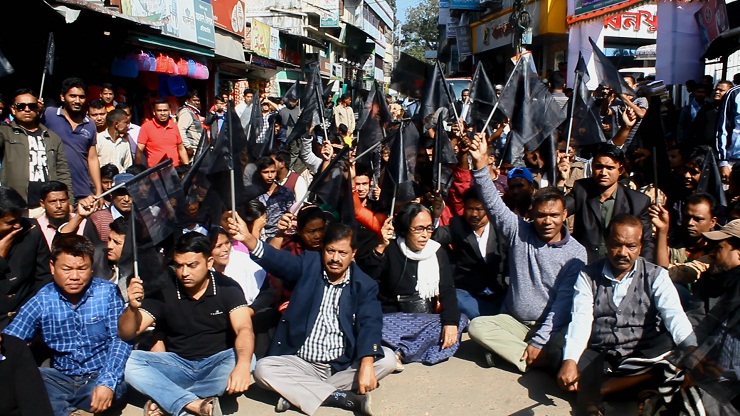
(326, 340)
(83, 336)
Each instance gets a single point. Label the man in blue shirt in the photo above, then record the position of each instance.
(77, 317)
(78, 134)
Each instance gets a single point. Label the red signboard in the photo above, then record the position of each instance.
(633, 20)
(229, 15)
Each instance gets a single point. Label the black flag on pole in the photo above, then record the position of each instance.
(482, 95)
(50, 51)
(532, 111)
(157, 196)
(608, 73)
(373, 120)
(586, 121)
(399, 173)
(710, 181)
(442, 157)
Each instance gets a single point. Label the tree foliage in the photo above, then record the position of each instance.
(419, 32)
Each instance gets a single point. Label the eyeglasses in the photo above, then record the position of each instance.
(29, 106)
(420, 230)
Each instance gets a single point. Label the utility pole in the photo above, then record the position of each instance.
(521, 21)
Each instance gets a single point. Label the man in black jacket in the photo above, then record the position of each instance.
(479, 258)
(24, 256)
(596, 200)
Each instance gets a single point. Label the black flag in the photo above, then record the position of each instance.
(586, 121)
(442, 157)
(292, 93)
(5, 67)
(306, 119)
(50, 51)
(157, 196)
(531, 109)
(433, 95)
(710, 181)
(482, 95)
(609, 74)
(399, 173)
(373, 120)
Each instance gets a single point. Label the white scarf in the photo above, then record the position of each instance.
(427, 275)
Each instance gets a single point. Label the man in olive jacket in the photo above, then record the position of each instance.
(31, 153)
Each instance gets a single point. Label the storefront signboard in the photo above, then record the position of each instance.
(329, 13)
(260, 33)
(229, 15)
(190, 20)
(639, 23)
(585, 6)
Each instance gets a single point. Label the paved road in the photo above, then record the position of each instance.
(460, 386)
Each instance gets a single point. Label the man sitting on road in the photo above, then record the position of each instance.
(328, 340)
(616, 340)
(544, 261)
(207, 334)
(76, 317)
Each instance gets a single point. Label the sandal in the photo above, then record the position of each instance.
(151, 408)
(648, 402)
(399, 363)
(215, 407)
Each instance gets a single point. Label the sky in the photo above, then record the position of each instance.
(402, 5)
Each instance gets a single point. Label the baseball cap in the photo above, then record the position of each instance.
(122, 178)
(731, 229)
(521, 172)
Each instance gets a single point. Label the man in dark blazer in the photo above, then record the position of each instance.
(478, 256)
(596, 200)
(326, 349)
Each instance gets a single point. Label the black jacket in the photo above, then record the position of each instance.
(583, 203)
(396, 275)
(472, 270)
(24, 271)
(23, 391)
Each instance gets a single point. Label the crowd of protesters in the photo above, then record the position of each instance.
(591, 259)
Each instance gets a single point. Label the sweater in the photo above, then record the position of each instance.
(542, 276)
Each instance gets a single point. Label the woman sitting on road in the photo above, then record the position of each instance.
(415, 282)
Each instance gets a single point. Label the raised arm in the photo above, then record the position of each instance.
(501, 216)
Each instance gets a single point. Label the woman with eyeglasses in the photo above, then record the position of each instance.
(422, 322)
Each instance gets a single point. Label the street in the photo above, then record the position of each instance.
(461, 386)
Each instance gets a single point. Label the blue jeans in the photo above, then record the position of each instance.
(69, 393)
(173, 381)
(475, 306)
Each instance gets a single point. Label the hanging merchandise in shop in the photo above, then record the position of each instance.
(190, 20)
(141, 61)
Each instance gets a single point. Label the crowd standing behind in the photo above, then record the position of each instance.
(579, 262)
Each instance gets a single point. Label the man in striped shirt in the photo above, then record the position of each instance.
(326, 350)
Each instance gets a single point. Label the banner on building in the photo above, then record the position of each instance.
(464, 36)
(190, 20)
(329, 13)
(230, 15)
(465, 5)
(260, 34)
(585, 6)
(274, 43)
(712, 20)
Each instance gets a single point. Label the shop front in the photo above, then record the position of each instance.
(492, 39)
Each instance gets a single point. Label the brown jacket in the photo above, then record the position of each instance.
(15, 153)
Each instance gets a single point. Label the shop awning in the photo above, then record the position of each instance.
(725, 44)
(333, 39)
(171, 44)
(84, 4)
(304, 39)
(228, 47)
(646, 53)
